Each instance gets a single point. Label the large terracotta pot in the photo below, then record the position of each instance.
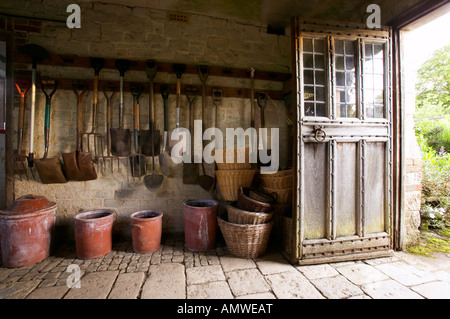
(26, 230)
(146, 230)
(93, 233)
(200, 224)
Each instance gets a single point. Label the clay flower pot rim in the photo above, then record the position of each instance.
(201, 203)
(98, 214)
(146, 214)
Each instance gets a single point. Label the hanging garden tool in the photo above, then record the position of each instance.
(109, 98)
(205, 181)
(121, 137)
(252, 107)
(153, 182)
(22, 86)
(217, 100)
(79, 165)
(164, 156)
(49, 169)
(36, 53)
(261, 100)
(150, 140)
(96, 147)
(190, 170)
(178, 69)
(137, 159)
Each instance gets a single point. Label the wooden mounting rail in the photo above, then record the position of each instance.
(165, 67)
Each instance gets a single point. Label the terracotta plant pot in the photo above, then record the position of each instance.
(26, 230)
(200, 224)
(146, 230)
(93, 233)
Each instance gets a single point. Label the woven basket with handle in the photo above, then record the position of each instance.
(245, 241)
(240, 216)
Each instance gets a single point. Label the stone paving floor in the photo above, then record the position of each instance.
(174, 272)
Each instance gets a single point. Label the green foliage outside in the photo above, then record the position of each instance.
(433, 136)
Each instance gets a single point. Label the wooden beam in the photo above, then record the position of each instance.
(165, 67)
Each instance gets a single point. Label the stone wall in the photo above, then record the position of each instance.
(412, 175)
(116, 31)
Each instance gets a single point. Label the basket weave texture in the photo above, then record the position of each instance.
(230, 181)
(222, 155)
(239, 216)
(245, 241)
(284, 195)
(246, 200)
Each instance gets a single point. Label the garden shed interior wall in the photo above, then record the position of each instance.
(234, 38)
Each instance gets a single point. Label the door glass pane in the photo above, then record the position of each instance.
(307, 45)
(314, 76)
(308, 60)
(373, 83)
(345, 78)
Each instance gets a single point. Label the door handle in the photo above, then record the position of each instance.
(319, 133)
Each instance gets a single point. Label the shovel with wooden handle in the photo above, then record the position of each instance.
(137, 160)
(217, 100)
(178, 69)
(121, 137)
(261, 100)
(79, 165)
(205, 181)
(150, 139)
(190, 170)
(49, 169)
(252, 119)
(163, 156)
(36, 53)
(153, 182)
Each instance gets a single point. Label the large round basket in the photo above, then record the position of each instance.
(229, 182)
(276, 182)
(284, 195)
(254, 200)
(221, 156)
(245, 241)
(240, 216)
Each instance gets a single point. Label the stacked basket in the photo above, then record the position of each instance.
(231, 176)
(247, 230)
(280, 183)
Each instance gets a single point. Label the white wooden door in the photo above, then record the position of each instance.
(344, 134)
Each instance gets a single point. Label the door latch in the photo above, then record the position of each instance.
(319, 133)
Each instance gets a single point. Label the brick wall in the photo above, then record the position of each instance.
(115, 31)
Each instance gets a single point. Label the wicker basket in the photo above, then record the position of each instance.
(245, 241)
(240, 216)
(276, 182)
(280, 179)
(221, 154)
(281, 173)
(229, 182)
(284, 195)
(253, 200)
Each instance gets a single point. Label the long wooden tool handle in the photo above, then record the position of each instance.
(252, 96)
(21, 120)
(178, 103)
(94, 106)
